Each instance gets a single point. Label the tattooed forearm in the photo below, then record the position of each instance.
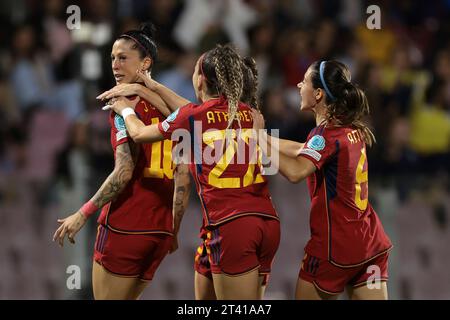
(118, 179)
(181, 194)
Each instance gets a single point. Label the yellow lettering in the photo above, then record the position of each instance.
(218, 116)
(247, 118)
(164, 150)
(210, 116)
(350, 138)
(225, 116)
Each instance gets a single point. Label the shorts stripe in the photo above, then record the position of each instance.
(103, 239)
(310, 264)
(99, 237)
(216, 246)
(316, 265)
(96, 239)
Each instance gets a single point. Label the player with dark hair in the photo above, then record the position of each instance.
(241, 230)
(348, 245)
(136, 228)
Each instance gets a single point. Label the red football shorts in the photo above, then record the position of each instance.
(238, 247)
(130, 255)
(332, 279)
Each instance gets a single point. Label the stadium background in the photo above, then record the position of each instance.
(54, 138)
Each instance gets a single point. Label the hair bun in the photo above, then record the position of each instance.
(148, 29)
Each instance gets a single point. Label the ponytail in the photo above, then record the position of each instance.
(228, 69)
(349, 108)
(250, 90)
(347, 104)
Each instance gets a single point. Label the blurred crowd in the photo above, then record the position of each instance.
(54, 138)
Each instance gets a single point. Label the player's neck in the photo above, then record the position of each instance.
(321, 114)
(207, 97)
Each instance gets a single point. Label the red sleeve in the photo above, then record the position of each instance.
(119, 134)
(179, 119)
(318, 148)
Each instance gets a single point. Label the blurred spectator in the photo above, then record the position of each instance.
(72, 188)
(179, 77)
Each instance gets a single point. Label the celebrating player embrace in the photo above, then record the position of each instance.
(241, 230)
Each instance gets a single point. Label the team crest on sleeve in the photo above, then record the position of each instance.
(173, 116)
(119, 123)
(317, 142)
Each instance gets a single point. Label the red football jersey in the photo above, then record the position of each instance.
(230, 185)
(145, 205)
(344, 227)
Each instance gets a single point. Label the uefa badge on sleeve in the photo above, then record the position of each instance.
(316, 143)
(119, 123)
(173, 116)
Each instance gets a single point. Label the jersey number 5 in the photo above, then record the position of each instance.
(361, 182)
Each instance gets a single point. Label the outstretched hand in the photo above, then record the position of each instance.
(70, 227)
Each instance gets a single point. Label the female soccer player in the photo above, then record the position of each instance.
(241, 229)
(203, 282)
(348, 246)
(136, 229)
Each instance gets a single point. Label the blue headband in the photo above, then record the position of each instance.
(322, 79)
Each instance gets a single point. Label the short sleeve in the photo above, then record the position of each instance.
(119, 134)
(179, 119)
(318, 148)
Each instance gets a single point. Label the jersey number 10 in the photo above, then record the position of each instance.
(164, 149)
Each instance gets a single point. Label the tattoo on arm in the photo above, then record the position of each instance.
(181, 194)
(121, 175)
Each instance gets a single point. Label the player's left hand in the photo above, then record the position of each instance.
(121, 103)
(70, 227)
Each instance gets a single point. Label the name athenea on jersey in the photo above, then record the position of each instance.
(221, 116)
(355, 136)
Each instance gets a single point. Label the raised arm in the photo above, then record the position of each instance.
(287, 147)
(130, 89)
(109, 190)
(295, 168)
(137, 130)
(172, 100)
